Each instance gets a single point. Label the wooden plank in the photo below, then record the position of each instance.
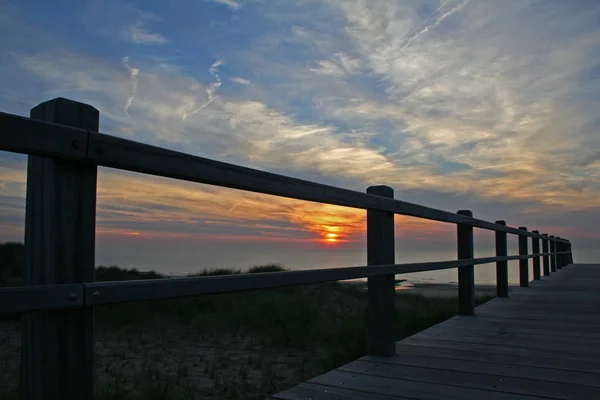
(466, 274)
(41, 297)
(312, 391)
(465, 363)
(549, 328)
(584, 364)
(459, 351)
(410, 389)
(512, 307)
(41, 138)
(381, 311)
(474, 380)
(58, 346)
(565, 347)
(567, 307)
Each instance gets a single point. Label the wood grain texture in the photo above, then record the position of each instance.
(553, 254)
(57, 346)
(30, 136)
(381, 312)
(535, 248)
(40, 297)
(466, 274)
(501, 266)
(546, 258)
(523, 263)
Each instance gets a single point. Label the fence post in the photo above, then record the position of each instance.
(58, 346)
(382, 291)
(546, 258)
(466, 274)
(570, 253)
(552, 254)
(501, 266)
(523, 263)
(559, 257)
(535, 249)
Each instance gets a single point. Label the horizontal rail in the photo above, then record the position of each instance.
(42, 297)
(28, 136)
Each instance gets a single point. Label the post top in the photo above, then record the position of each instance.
(467, 213)
(67, 112)
(536, 231)
(522, 228)
(381, 190)
(501, 222)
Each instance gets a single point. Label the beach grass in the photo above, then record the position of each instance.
(228, 346)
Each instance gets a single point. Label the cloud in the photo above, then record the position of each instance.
(134, 83)
(140, 35)
(482, 105)
(122, 21)
(211, 89)
(234, 5)
(241, 81)
(341, 65)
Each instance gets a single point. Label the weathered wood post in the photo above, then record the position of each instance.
(58, 346)
(535, 249)
(466, 274)
(501, 266)
(570, 249)
(552, 254)
(382, 290)
(523, 263)
(559, 257)
(546, 258)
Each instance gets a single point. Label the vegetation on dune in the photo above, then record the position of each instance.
(226, 346)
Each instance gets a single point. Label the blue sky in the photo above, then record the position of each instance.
(487, 105)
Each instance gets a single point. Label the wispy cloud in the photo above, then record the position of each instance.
(234, 5)
(140, 35)
(133, 77)
(340, 65)
(122, 21)
(211, 89)
(454, 104)
(239, 80)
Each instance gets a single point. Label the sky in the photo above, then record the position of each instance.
(458, 104)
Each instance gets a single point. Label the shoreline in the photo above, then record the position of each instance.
(430, 289)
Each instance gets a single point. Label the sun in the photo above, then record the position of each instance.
(331, 234)
(332, 237)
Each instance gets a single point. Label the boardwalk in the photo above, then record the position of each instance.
(540, 343)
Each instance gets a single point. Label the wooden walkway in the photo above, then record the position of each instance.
(543, 342)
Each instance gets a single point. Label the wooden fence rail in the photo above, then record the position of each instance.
(65, 148)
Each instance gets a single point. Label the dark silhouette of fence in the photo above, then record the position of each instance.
(65, 148)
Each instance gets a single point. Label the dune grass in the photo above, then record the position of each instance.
(227, 346)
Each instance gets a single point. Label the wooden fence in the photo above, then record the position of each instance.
(65, 148)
